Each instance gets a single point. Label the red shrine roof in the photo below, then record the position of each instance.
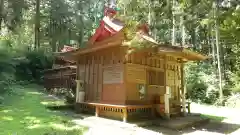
(108, 27)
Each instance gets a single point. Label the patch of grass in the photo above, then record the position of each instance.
(213, 118)
(22, 113)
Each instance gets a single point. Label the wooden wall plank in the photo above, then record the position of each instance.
(85, 77)
(95, 77)
(92, 79)
(88, 78)
(135, 73)
(112, 74)
(100, 79)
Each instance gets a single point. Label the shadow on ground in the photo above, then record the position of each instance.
(214, 126)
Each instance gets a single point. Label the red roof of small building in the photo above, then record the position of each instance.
(67, 48)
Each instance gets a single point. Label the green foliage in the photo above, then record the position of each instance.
(63, 21)
(233, 101)
(235, 81)
(11, 13)
(201, 84)
(32, 66)
(7, 70)
(68, 94)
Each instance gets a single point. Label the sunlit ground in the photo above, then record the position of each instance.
(25, 113)
(218, 125)
(223, 120)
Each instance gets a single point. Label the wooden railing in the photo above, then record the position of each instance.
(117, 111)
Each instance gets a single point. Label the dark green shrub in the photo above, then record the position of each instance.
(32, 66)
(7, 70)
(235, 82)
(201, 83)
(197, 91)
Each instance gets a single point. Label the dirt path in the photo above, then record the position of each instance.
(231, 113)
(101, 126)
(228, 124)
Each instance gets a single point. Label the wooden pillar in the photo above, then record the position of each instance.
(183, 89)
(189, 107)
(165, 73)
(166, 102)
(80, 94)
(153, 111)
(166, 95)
(124, 114)
(77, 83)
(100, 77)
(77, 90)
(97, 111)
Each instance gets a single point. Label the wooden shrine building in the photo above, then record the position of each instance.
(63, 72)
(117, 80)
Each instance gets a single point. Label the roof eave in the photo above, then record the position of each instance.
(194, 56)
(184, 54)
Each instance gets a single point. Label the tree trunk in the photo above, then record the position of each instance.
(193, 38)
(149, 15)
(223, 61)
(196, 38)
(218, 50)
(1, 13)
(173, 24)
(37, 25)
(212, 46)
(124, 9)
(182, 31)
(149, 12)
(69, 36)
(81, 31)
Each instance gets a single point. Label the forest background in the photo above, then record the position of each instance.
(32, 30)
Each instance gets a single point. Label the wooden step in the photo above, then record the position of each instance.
(175, 109)
(175, 114)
